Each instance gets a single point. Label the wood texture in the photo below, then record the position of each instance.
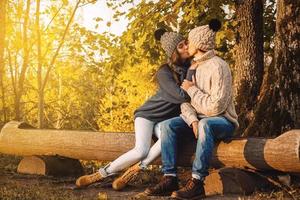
(50, 165)
(234, 181)
(281, 153)
(248, 58)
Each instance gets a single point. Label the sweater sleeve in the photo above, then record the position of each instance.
(217, 101)
(188, 113)
(168, 84)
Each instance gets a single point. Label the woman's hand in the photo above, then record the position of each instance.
(186, 85)
(195, 128)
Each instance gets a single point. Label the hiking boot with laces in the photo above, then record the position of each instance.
(88, 179)
(165, 187)
(92, 178)
(194, 189)
(130, 174)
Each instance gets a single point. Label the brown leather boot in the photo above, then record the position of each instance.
(165, 187)
(129, 175)
(194, 189)
(88, 179)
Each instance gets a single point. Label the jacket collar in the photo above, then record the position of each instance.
(209, 54)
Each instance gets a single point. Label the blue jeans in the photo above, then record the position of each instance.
(210, 130)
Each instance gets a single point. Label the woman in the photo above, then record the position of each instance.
(164, 105)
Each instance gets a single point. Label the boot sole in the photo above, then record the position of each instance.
(100, 182)
(181, 198)
(161, 194)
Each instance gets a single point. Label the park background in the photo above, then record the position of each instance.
(87, 64)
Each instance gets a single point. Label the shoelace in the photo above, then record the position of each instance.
(190, 185)
(162, 185)
(95, 177)
(127, 177)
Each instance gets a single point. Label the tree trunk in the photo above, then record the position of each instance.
(42, 83)
(287, 64)
(2, 47)
(25, 64)
(279, 103)
(248, 69)
(39, 71)
(59, 120)
(281, 153)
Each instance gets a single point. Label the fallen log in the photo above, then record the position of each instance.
(281, 153)
(50, 166)
(234, 181)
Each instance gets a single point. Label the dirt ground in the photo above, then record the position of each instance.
(14, 186)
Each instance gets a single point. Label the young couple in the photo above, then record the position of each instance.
(201, 93)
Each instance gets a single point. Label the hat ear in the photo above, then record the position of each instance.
(158, 33)
(214, 25)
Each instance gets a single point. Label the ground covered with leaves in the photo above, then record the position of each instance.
(14, 186)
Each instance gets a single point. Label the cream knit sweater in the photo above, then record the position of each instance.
(212, 94)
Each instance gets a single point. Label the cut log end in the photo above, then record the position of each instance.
(234, 181)
(50, 166)
(32, 165)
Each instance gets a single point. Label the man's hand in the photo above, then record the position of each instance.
(195, 128)
(194, 66)
(187, 84)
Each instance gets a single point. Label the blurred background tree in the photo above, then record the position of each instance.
(56, 73)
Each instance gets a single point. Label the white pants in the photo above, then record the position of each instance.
(144, 129)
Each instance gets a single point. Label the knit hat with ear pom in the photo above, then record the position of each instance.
(203, 37)
(168, 40)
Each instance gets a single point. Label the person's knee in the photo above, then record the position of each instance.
(168, 130)
(204, 128)
(141, 153)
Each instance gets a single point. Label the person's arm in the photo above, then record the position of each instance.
(188, 113)
(215, 103)
(168, 84)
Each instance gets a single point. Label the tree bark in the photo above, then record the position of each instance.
(2, 47)
(248, 69)
(22, 77)
(39, 71)
(281, 153)
(278, 109)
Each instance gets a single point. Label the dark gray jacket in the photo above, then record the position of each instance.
(165, 104)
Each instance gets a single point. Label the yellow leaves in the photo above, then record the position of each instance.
(98, 19)
(132, 87)
(102, 196)
(65, 2)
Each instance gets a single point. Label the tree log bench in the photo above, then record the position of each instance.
(281, 153)
(57, 152)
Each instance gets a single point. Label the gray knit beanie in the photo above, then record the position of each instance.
(203, 37)
(169, 40)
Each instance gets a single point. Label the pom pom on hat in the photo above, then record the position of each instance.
(203, 37)
(158, 33)
(214, 25)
